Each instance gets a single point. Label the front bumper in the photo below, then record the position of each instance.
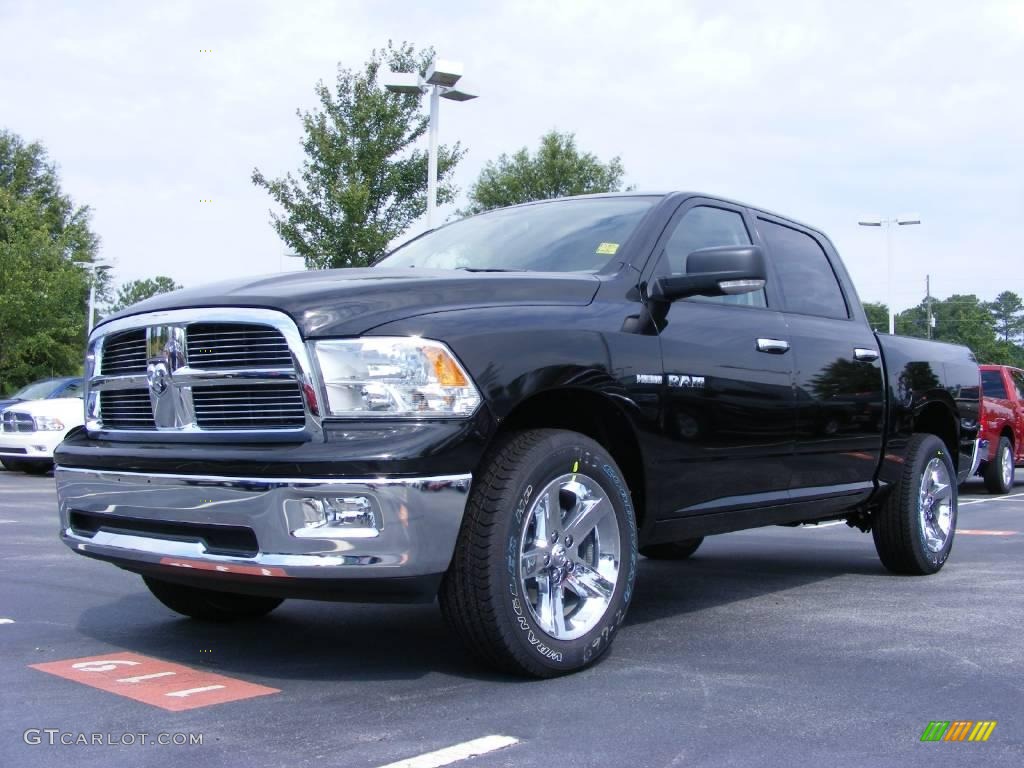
(184, 528)
(29, 445)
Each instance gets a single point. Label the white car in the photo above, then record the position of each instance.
(29, 431)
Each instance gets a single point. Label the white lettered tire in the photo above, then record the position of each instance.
(546, 560)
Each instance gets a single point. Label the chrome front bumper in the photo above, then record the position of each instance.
(157, 522)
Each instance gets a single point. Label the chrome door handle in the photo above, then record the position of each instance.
(865, 355)
(773, 346)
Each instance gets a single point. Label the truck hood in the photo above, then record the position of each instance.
(347, 302)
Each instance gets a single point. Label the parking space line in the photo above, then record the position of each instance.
(1004, 497)
(159, 683)
(980, 532)
(455, 753)
(6, 621)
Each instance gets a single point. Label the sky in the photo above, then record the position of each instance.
(822, 111)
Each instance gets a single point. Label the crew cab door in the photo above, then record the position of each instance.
(837, 367)
(727, 423)
(1017, 380)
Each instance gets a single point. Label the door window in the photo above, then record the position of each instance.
(992, 385)
(706, 227)
(809, 285)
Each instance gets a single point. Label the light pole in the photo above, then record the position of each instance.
(901, 221)
(440, 81)
(93, 268)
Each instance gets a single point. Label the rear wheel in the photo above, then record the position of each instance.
(673, 550)
(208, 605)
(546, 560)
(999, 472)
(914, 530)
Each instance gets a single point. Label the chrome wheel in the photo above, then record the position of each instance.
(569, 554)
(935, 504)
(1006, 467)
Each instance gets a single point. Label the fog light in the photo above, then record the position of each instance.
(341, 516)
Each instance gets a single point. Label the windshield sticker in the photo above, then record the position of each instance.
(608, 249)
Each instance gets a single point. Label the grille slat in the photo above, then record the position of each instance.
(126, 409)
(17, 422)
(230, 406)
(236, 345)
(124, 353)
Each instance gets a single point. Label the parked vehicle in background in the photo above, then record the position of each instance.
(1002, 425)
(505, 413)
(32, 429)
(45, 389)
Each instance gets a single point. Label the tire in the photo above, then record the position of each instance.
(208, 605)
(36, 467)
(999, 472)
(492, 593)
(13, 465)
(912, 535)
(673, 550)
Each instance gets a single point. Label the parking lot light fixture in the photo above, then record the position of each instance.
(888, 223)
(94, 268)
(440, 80)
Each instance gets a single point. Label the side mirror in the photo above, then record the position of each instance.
(720, 271)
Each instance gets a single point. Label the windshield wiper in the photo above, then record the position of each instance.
(487, 269)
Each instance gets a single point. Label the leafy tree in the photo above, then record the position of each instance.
(42, 293)
(878, 316)
(135, 291)
(962, 319)
(1008, 311)
(557, 169)
(362, 184)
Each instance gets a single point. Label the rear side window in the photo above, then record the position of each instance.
(809, 286)
(704, 226)
(992, 384)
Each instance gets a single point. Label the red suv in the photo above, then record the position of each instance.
(1002, 425)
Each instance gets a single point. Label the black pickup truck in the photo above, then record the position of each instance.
(505, 413)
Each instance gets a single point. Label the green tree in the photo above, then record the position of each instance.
(960, 319)
(135, 291)
(558, 169)
(42, 293)
(1008, 311)
(362, 183)
(878, 316)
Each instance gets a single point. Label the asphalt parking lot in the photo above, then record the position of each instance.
(776, 646)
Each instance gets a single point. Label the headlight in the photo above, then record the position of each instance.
(388, 376)
(48, 424)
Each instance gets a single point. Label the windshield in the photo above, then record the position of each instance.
(581, 235)
(38, 390)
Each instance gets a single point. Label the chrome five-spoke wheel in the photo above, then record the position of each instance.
(569, 555)
(935, 504)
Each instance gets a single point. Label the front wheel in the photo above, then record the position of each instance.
(546, 560)
(208, 605)
(999, 471)
(914, 529)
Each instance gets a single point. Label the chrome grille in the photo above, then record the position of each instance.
(274, 406)
(185, 372)
(126, 409)
(124, 353)
(17, 422)
(233, 345)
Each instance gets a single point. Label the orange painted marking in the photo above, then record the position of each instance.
(174, 687)
(199, 565)
(981, 532)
